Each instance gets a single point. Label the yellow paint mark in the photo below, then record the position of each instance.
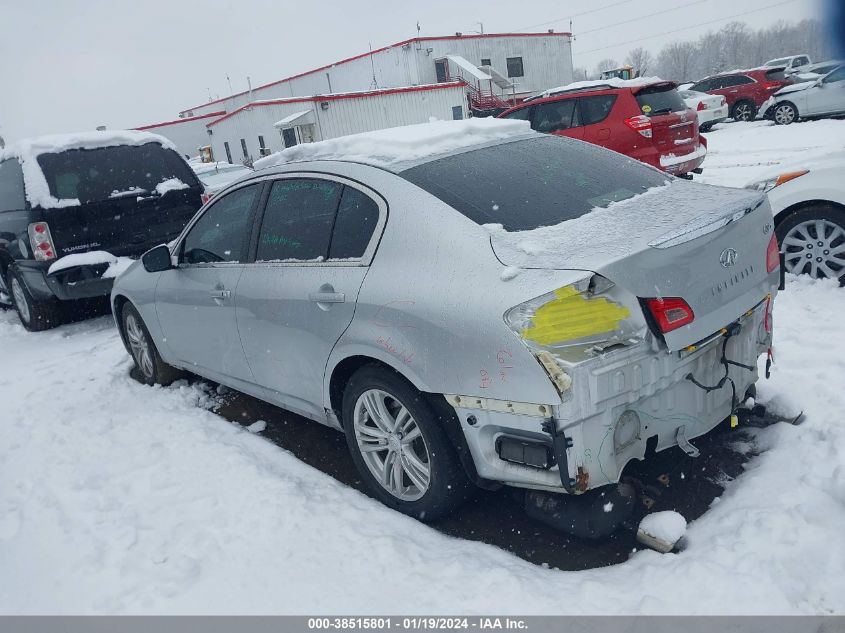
(734, 421)
(572, 316)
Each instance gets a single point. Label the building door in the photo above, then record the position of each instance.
(289, 137)
(441, 68)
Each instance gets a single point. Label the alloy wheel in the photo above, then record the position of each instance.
(784, 115)
(139, 345)
(392, 445)
(20, 300)
(743, 112)
(815, 247)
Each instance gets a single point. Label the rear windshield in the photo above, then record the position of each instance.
(660, 100)
(776, 75)
(91, 175)
(536, 182)
(222, 176)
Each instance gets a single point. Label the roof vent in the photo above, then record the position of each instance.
(458, 34)
(551, 30)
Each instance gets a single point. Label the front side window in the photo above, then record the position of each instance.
(219, 235)
(298, 218)
(554, 116)
(515, 67)
(592, 110)
(836, 75)
(357, 218)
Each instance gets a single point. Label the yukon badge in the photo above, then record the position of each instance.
(728, 257)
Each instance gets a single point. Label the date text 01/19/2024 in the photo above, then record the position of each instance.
(416, 623)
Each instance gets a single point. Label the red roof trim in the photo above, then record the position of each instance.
(177, 121)
(412, 40)
(337, 97)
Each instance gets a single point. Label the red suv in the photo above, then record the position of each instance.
(649, 122)
(745, 91)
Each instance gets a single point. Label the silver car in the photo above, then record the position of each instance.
(535, 312)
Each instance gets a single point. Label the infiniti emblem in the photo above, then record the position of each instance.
(728, 257)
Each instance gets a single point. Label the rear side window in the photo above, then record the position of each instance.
(554, 116)
(534, 182)
(219, 235)
(11, 186)
(298, 220)
(92, 175)
(703, 85)
(357, 217)
(660, 100)
(595, 109)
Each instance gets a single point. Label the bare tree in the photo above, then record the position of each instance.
(606, 64)
(640, 58)
(675, 61)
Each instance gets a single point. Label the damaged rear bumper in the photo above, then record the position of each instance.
(620, 408)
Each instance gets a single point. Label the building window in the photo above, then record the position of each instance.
(515, 67)
(485, 61)
(243, 147)
(289, 137)
(228, 152)
(441, 70)
(457, 113)
(262, 148)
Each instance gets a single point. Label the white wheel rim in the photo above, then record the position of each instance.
(815, 247)
(20, 300)
(139, 346)
(784, 115)
(392, 445)
(743, 112)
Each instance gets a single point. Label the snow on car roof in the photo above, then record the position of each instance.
(411, 143)
(28, 150)
(613, 82)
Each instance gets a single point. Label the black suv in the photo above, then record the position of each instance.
(113, 194)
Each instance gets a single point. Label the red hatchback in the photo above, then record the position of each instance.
(746, 90)
(646, 121)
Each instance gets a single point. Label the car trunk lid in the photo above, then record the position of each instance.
(704, 244)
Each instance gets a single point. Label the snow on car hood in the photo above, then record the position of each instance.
(795, 88)
(405, 144)
(659, 218)
(27, 151)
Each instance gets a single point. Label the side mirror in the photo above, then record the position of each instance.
(157, 259)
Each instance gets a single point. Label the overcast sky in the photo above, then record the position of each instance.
(68, 65)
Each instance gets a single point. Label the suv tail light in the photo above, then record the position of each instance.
(772, 86)
(670, 313)
(772, 255)
(641, 124)
(205, 197)
(41, 242)
(701, 106)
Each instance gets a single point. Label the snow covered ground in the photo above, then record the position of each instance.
(120, 498)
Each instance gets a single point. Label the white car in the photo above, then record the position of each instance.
(215, 176)
(792, 63)
(821, 98)
(808, 203)
(711, 109)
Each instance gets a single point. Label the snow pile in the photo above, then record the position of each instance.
(395, 145)
(613, 82)
(116, 264)
(27, 152)
(662, 530)
(172, 184)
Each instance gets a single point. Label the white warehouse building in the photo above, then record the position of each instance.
(519, 65)
(408, 82)
(263, 127)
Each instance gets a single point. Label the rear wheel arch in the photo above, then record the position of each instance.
(448, 418)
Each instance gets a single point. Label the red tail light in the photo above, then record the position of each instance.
(641, 124)
(205, 197)
(670, 313)
(701, 106)
(772, 255)
(772, 86)
(41, 242)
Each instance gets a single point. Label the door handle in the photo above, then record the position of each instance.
(327, 297)
(220, 294)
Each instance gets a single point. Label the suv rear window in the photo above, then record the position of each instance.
(535, 182)
(777, 74)
(660, 100)
(91, 175)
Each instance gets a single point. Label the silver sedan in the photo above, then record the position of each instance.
(536, 312)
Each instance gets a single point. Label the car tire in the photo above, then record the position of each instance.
(799, 237)
(5, 296)
(705, 127)
(35, 315)
(744, 110)
(151, 368)
(417, 472)
(785, 113)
